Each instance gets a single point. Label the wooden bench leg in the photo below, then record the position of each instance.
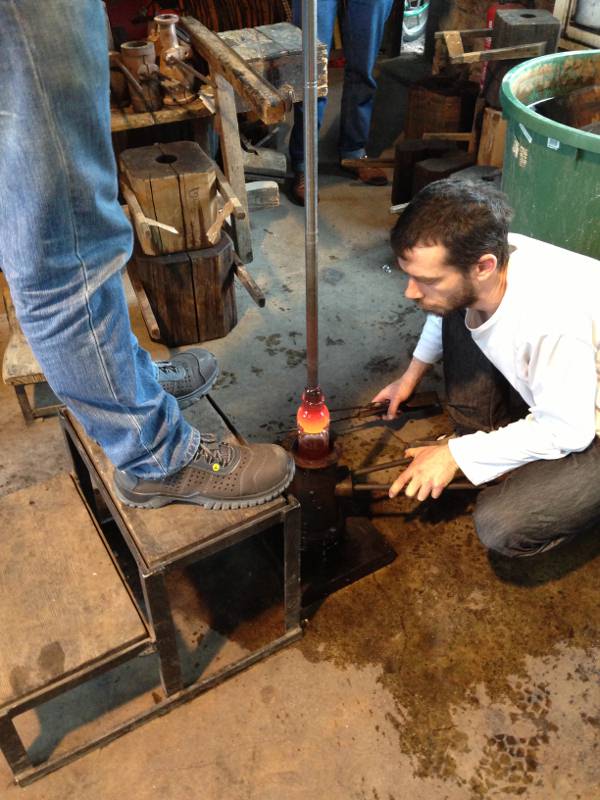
(291, 568)
(24, 403)
(12, 746)
(161, 622)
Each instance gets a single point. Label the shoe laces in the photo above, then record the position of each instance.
(167, 367)
(215, 454)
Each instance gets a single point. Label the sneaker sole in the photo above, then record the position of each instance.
(189, 399)
(211, 503)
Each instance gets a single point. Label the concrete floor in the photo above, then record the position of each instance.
(444, 676)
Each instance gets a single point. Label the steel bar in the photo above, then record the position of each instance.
(385, 487)
(399, 462)
(311, 233)
(171, 59)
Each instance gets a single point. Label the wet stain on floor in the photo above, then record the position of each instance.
(455, 632)
(331, 276)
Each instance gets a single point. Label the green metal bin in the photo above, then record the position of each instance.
(551, 171)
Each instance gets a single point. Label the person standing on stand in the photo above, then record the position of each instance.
(64, 241)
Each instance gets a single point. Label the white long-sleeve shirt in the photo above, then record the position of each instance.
(544, 337)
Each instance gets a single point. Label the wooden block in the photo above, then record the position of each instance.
(434, 169)
(265, 161)
(62, 603)
(262, 194)
(493, 135)
(514, 27)
(191, 294)
(439, 104)
(214, 293)
(407, 153)
(275, 53)
(174, 184)
(164, 534)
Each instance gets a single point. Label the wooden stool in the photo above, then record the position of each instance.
(179, 535)
(190, 295)
(66, 614)
(20, 368)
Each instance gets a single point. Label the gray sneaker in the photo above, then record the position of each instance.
(220, 476)
(189, 375)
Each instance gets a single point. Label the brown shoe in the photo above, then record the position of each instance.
(220, 476)
(373, 176)
(298, 188)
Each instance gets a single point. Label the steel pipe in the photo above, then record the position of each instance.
(311, 232)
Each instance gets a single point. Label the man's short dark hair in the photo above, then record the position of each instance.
(467, 219)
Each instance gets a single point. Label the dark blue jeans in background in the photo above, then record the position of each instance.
(363, 25)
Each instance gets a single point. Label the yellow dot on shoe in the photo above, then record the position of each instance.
(216, 467)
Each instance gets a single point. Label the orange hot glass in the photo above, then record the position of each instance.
(313, 425)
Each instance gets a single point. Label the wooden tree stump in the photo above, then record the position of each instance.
(191, 294)
(174, 184)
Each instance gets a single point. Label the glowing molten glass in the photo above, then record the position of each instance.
(313, 425)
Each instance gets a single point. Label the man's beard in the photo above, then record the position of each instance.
(463, 297)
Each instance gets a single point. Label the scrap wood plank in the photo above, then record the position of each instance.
(233, 163)
(453, 41)
(124, 120)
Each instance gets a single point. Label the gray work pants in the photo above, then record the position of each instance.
(538, 505)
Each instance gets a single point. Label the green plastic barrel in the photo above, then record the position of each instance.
(551, 171)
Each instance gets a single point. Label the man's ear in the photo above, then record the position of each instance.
(485, 267)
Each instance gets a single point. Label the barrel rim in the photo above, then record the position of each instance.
(513, 108)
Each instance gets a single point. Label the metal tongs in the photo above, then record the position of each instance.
(419, 402)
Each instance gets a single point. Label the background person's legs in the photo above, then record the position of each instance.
(364, 22)
(326, 13)
(64, 238)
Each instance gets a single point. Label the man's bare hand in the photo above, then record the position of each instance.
(430, 471)
(400, 390)
(396, 392)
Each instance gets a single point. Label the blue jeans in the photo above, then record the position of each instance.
(64, 239)
(363, 25)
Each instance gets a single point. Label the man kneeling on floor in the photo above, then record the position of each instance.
(517, 322)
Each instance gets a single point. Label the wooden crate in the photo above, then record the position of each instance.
(191, 294)
(174, 184)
